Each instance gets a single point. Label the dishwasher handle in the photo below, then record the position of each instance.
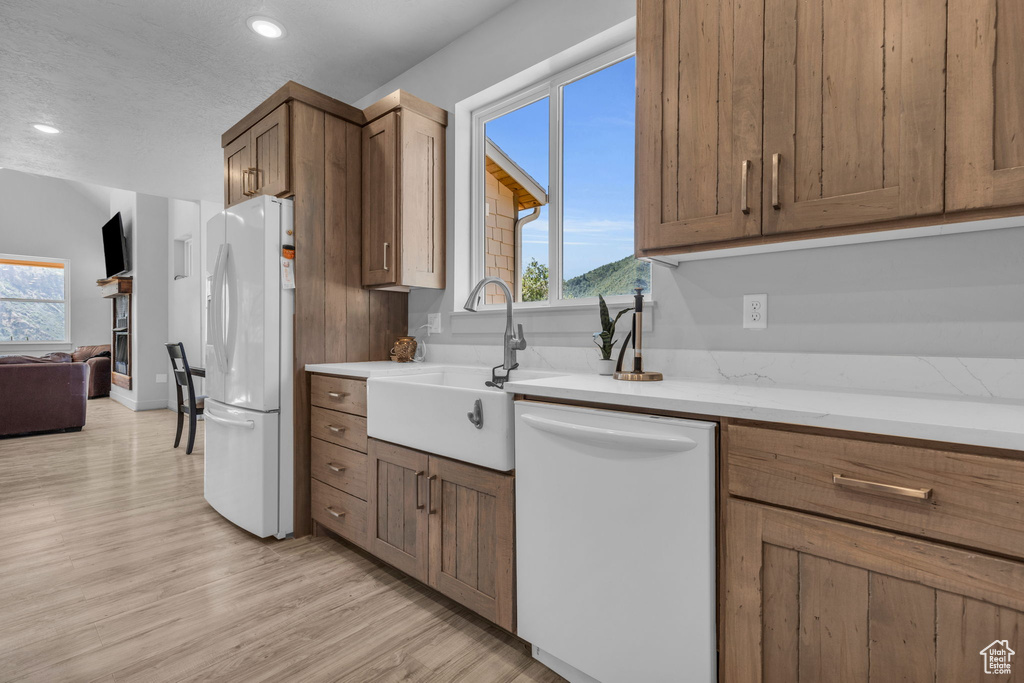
(602, 436)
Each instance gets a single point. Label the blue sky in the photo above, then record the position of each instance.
(599, 129)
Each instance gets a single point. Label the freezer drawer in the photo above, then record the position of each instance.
(241, 481)
(615, 541)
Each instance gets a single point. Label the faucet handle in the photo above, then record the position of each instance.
(520, 342)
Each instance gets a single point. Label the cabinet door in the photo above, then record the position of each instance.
(270, 152)
(808, 599)
(380, 196)
(237, 161)
(471, 538)
(985, 127)
(397, 508)
(853, 112)
(422, 197)
(698, 122)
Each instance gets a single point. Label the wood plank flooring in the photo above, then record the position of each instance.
(114, 568)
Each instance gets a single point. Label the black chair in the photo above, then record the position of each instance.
(190, 405)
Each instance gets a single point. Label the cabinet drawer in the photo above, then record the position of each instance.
(340, 428)
(339, 393)
(971, 500)
(340, 467)
(343, 514)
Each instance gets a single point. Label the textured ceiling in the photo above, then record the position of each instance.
(143, 89)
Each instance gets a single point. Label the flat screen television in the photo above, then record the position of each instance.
(115, 248)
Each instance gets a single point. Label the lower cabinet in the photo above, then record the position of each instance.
(809, 599)
(446, 523)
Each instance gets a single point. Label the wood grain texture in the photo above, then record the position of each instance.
(292, 91)
(237, 160)
(339, 428)
(351, 524)
(833, 621)
(391, 509)
(698, 120)
(380, 197)
(401, 99)
(781, 614)
(270, 145)
(344, 394)
(178, 593)
(327, 458)
(977, 501)
(422, 224)
(902, 630)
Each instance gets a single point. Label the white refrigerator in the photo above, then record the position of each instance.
(248, 413)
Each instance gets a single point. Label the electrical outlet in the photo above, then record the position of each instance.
(755, 311)
(161, 379)
(433, 323)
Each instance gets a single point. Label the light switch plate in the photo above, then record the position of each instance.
(755, 311)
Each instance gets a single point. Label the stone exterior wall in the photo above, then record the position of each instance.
(500, 258)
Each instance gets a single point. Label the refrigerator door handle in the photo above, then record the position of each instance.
(245, 424)
(217, 302)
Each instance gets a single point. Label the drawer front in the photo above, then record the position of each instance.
(970, 500)
(343, 514)
(338, 428)
(340, 467)
(338, 393)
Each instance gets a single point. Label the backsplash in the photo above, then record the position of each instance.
(985, 378)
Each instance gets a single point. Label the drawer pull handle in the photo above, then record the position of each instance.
(336, 430)
(334, 513)
(337, 396)
(874, 487)
(334, 467)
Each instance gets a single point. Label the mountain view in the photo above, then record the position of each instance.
(619, 277)
(39, 320)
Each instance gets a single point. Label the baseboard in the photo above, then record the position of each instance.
(138, 406)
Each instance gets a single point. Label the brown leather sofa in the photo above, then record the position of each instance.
(99, 378)
(42, 397)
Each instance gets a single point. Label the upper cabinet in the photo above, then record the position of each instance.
(784, 119)
(985, 130)
(853, 112)
(256, 162)
(698, 122)
(404, 194)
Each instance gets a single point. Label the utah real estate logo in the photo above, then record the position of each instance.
(997, 657)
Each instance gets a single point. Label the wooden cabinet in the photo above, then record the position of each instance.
(472, 532)
(256, 162)
(810, 599)
(853, 112)
(698, 122)
(449, 524)
(985, 93)
(404, 194)
(844, 111)
(398, 509)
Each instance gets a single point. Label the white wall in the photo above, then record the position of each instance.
(952, 295)
(43, 216)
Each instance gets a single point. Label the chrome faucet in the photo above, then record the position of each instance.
(513, 342)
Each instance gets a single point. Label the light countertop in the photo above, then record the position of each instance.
(996, 424)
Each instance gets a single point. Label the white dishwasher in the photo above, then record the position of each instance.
(615, 544)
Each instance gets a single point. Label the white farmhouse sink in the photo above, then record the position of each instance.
(429, 412)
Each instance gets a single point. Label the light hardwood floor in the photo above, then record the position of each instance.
(114, 568)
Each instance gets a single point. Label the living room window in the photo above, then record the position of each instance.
(34, 300)
(554, 175)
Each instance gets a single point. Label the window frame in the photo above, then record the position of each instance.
(553, 88)
(66, 265)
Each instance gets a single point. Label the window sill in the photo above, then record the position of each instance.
(544, 320)
(16, 347)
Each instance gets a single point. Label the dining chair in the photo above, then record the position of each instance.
(191, 404)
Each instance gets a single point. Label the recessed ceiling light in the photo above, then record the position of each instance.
(43, 128)
(268, 28)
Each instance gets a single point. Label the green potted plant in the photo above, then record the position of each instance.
(605, 339)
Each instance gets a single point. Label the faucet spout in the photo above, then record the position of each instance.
(514, 339)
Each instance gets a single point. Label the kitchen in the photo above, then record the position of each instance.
(795, 455)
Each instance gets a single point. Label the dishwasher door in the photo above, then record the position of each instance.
(615, 543)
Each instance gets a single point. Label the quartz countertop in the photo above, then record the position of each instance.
(990, 423)
(997, 424)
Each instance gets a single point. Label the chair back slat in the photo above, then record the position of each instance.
(182, 373)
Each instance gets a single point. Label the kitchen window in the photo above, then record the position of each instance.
(34, 300)
(553, 167)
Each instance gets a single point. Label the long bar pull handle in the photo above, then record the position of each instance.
(245, 182)
(334, 513)
(386, 245)
(255, 180)
(335, 467)
(874, 487)
(430, 494)
(336, 430)
(776, 160)
(419, 506)
(744, 179)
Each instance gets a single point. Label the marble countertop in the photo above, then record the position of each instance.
(991, 423)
